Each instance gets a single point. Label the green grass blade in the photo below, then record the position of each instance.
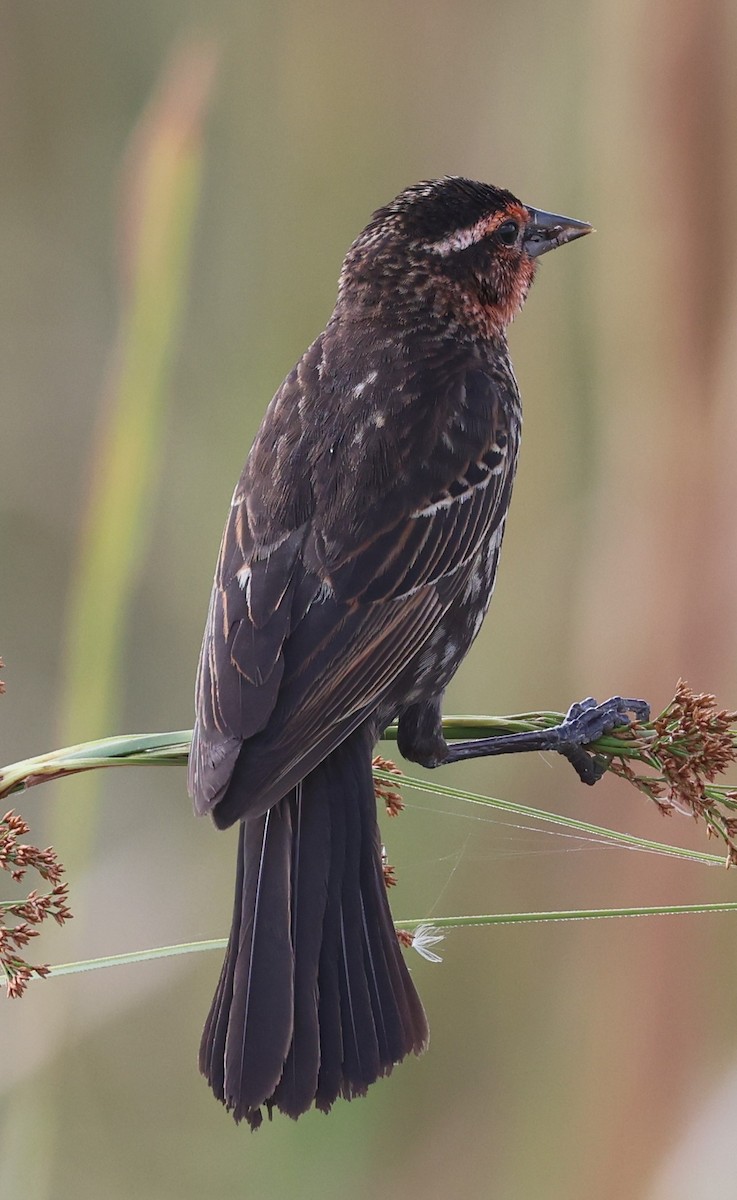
(460, 922)
(541, 814)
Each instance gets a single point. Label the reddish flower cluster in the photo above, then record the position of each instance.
(390, 875)
(385, 793)
(695, 743)
(16, 858)
(689, 745)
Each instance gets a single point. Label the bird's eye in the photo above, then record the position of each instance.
(507, 233)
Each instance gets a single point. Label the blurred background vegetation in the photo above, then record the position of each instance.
(180, 182)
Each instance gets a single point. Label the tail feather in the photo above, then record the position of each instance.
(249, 1029)
(310, 872)
(330, 1077)
(261, 1013)
(314, 999)
(214, 1035)
(400, 1020)
(361, 1059)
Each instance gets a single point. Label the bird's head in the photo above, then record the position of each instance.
(466, 251)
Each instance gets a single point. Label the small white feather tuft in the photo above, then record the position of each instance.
(423, 938)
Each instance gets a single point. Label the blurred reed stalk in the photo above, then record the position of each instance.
(159, 191)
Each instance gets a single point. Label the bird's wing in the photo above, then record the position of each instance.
(308, 632)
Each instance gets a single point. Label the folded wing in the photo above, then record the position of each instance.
(308, 631)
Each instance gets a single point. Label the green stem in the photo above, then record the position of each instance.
(127, 750)
(158, 749)
(170, 749)
(541, 814)
(584, 914)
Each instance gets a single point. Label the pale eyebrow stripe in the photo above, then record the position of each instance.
(461, 239)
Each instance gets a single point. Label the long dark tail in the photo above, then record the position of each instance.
(314, 999)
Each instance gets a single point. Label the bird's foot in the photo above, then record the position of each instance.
(583, 724)
(586, 722)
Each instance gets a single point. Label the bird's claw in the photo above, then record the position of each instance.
(588, 721)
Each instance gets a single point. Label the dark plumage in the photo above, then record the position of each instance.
(355, 569)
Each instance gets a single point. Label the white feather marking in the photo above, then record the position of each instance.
(446, 501)
(449, 653)
(461, 239)
(360, 388)
(326, 592)
(478, 621)
(266, 551)
(473, 587)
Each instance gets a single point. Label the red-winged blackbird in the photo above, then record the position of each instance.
(355, 570)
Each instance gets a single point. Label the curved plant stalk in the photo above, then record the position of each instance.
(417, 933)
(674, 760)
(684, 749)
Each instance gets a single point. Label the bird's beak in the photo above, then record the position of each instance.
(546, 230)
